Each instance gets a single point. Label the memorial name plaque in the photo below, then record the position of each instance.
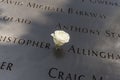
(27, 49)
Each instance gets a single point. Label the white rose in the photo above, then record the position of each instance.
(60, 37)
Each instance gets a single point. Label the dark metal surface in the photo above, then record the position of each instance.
(27, 50)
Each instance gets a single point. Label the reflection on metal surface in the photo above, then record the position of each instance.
(27, 50)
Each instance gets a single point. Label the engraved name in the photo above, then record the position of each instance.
(95, 53)
(91, 31)
(57, 74)
(12, 2)
(103, 2)
(6, 66)
(16, 19)
(53, 9)
(24, 42)
(69, 11)
(79, 29)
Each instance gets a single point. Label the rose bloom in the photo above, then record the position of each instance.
(60, 37)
